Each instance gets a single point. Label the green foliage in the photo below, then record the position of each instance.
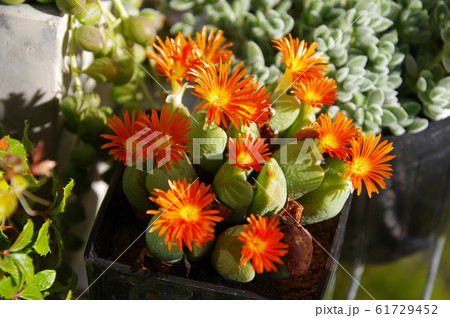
(383, 54)
(24, 242)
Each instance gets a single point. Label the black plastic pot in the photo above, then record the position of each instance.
(119, 280)
(413, 210)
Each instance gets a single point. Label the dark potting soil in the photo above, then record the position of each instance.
(294, 287)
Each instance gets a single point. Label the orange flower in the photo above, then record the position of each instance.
(262, 243)
(248, 153)
(174, 58)
(336, 136)
(124, 131)
(225, 95)
(300, 59)
(168, 143)
(183, 217)
(257, 105)
(316, 91)
(211, 48)
(368, 163)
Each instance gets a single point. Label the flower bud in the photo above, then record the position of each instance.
(70, 6)
(91, 14)
(139, 29)
(89, 38)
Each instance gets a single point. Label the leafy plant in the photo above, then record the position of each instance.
(29, 224)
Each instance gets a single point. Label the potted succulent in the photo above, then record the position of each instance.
(390, 60)
(230, 188)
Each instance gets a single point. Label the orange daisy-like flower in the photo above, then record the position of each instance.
(300, 59)
(225, 95)
(174, 58)
(316, 91)
(262, 243)
(126, 133)
(166, 137)
(248, 153)
(258, 104)
(210, 48)
(368, 163)
(336, 136)
(183, 218)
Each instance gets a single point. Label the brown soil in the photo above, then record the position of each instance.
(304, 287)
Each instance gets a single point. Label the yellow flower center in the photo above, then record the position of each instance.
(257, 245)
(219, 98)
(190, 213)
(361, 166)
(244, 158)
(329, 141)
(312, 97)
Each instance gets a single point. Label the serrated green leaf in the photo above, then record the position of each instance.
(42, 244)
(69, 295)
(8, 288)
(31, 292)
(45, 279)
(4, 242)
(7, 266)
(66, 193)
(16, 148)
(25, 140)
(24, 237)
(25, 265)
(59, 245)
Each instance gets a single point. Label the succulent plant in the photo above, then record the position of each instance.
(391, 59)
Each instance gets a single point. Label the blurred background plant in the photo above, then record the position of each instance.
(31, 225)
(391, 59)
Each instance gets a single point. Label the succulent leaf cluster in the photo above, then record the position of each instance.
(391, 59)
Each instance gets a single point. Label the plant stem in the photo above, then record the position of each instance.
(37, 199)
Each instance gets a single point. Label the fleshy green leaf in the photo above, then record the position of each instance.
(31, 292)
(24, 237)
(42, 244)
(45, 279)
(4, 242)
(66, 193)
(25, 265)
